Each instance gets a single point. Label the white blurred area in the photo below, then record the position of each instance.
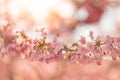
(37, 11)
(108, 24)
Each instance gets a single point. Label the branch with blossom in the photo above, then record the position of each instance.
(82, 51)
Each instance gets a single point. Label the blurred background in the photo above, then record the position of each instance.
(70, 19)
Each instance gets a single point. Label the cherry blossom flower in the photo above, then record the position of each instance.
(82, 51)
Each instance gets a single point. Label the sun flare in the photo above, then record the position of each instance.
(39, 9)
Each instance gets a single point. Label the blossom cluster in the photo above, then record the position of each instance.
(20, 45)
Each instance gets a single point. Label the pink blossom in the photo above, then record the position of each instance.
(83, 40)
(47, 51)
(91, 35)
